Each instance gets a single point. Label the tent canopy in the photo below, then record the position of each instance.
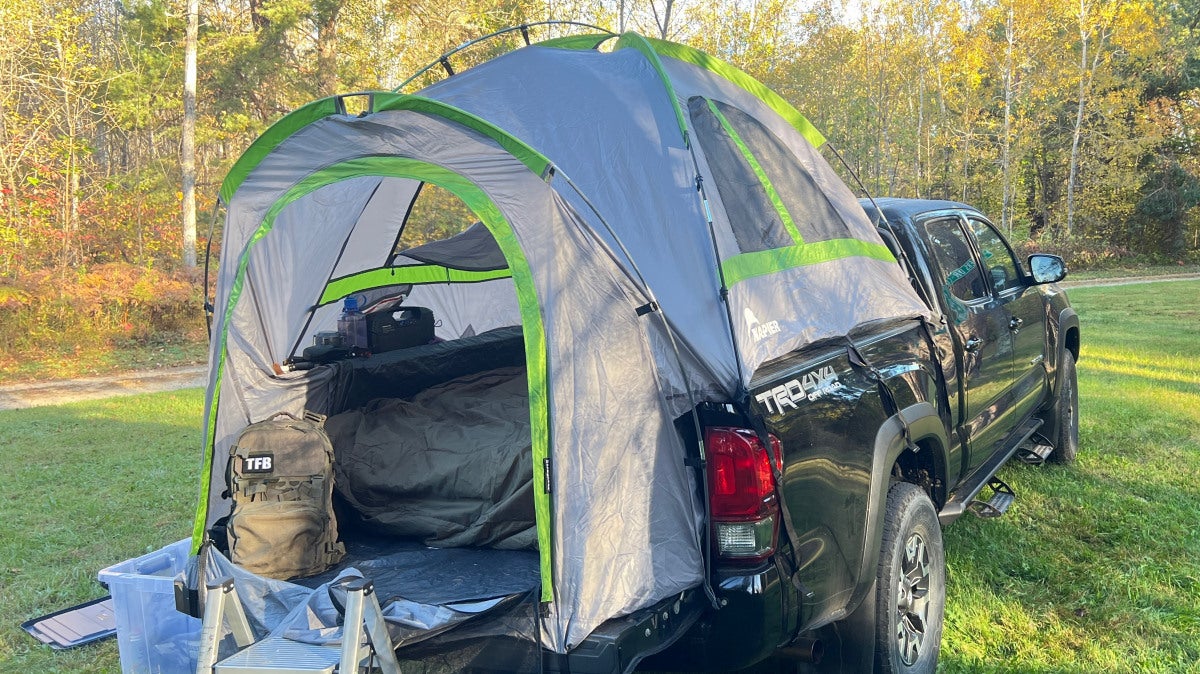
(658, 223)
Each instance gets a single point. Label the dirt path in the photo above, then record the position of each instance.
(19, 396)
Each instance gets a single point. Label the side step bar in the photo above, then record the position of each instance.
(964, 497)
(1034, 451)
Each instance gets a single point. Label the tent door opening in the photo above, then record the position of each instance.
(431, 432)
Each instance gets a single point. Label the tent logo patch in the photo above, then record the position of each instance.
(809, 388)
(259, 463)
(758, 330)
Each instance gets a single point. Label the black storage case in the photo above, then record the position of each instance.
(399, 327)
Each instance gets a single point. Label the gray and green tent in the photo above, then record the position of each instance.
(655, 223)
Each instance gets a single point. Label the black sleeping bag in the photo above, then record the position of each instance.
(451, 465)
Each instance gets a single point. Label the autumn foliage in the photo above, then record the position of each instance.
(1070, 122)
(50, 315)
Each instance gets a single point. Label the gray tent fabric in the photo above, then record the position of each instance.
(474, 249)
(633, 291)
(591, 113)
(308, 613)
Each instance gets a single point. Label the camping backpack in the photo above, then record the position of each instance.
(281, 479)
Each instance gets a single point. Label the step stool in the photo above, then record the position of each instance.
(278, 655)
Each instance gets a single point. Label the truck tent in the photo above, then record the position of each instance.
(644, 224)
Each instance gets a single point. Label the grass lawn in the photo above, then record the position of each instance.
(1133, 270)
(1095, 568)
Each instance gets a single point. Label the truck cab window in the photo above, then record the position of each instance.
(961, 277)
(1000, 266)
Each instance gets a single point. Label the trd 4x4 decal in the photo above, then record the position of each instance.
(807, 388)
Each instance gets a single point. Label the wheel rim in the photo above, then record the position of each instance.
(912, 599)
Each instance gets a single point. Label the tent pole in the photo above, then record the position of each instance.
(444, 59)
(209, 307)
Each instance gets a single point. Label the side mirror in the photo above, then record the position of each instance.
(1047, 268)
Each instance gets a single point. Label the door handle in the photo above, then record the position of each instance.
(1015, 323)
(973, 344)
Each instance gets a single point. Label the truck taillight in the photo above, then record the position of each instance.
(741, 493)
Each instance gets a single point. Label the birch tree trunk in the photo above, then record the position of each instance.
(1078, 130)
(188, 146)
(1006, 207)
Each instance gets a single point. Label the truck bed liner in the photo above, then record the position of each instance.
(403, 568)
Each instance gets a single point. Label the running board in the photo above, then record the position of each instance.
(962, 498)
(997, 505)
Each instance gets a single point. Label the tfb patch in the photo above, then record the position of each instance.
(258, 463)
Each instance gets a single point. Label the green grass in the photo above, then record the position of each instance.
(1095, 568)
(85, 486)
(1133, 270)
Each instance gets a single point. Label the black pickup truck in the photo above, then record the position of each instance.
(879, 440)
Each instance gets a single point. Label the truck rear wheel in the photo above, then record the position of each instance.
(1066, 412)
(910, 585)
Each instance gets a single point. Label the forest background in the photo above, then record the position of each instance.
(1070, 122)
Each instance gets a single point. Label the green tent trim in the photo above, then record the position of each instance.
(772, 195)
(408, 275)
(272, 137)
(536, 161)
(381, 101)
(531, 318)
(635, 41)
(754, 87)
(761, 263)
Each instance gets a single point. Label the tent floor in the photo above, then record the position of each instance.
(404, 568)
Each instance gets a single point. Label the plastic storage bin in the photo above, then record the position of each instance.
(152, 636)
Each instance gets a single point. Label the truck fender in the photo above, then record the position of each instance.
(925, 428)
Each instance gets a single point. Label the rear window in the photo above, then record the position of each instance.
(962, 279)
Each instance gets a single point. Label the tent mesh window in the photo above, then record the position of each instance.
(755, 221)
(814, 217)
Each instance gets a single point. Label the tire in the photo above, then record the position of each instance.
(910, 586)
(1066, 412)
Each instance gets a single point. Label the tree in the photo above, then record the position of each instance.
(1169, 194)
(188, 146)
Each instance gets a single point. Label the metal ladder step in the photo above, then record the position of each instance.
(278, 655)
(1002, 497)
